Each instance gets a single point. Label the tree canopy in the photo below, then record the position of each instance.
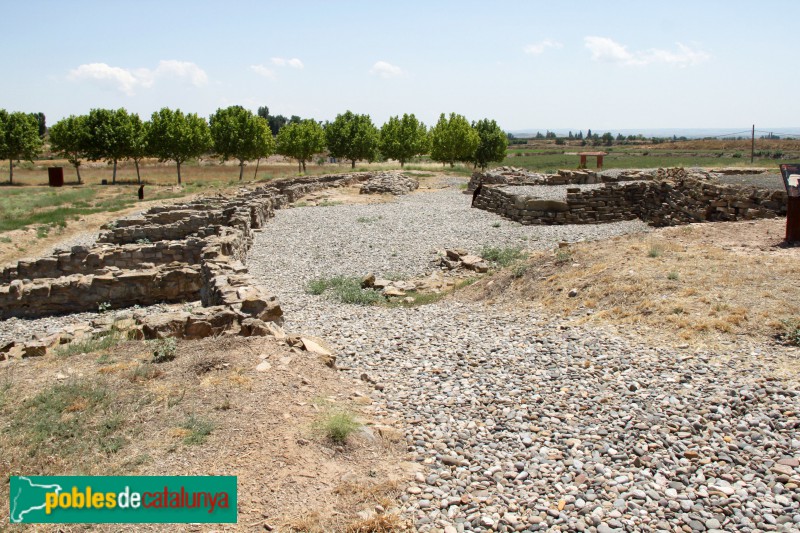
(69, 138)
(19, 138)
(238, 134)
(139, 147)
(177, 136)
(404, 138)
(453, 139)
(492, 143)
(301, 141)
(352, 137)
(110, 133)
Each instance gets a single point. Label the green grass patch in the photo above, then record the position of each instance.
(198, 429)
(655, 250)
(95, 343)
(502, 256)
(69, 418)
(344, 289)
(337, 425)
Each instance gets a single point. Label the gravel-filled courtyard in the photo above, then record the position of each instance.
(525, 423)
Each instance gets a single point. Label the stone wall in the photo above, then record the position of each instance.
(183, 252)
(661, 203)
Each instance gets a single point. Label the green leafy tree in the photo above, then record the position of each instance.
(238, 134)
(301, 140)
(352, 137)
(493, 143)
(42, 123)
(69, 138)
(453, 139)
(19, 138)
(404, 138)
(110, 133)
(177, 136)
(138, 148)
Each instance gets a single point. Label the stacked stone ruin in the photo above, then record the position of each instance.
(672, 197)
(177, 253)
(520, 176)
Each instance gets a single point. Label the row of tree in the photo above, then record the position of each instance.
(235, 133)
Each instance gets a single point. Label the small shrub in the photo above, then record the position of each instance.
(737, 155)
(337, 425)
(102, 307)
(677, 310)
(164, 349)
(143, 241)
(502, 256)
(791, 331)
(655, 250)
(519, 270)
(42, 232)
(672, 276)
(496, 225)
(777, 154)
(563, 256)
(198, 429)
(5, 239)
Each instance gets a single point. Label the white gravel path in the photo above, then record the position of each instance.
(525, 424)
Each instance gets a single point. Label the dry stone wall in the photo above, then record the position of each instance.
(520, 176)
(184, 252)
(661, 203)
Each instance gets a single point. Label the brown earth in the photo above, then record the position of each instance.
(263, 429)
(703, 284)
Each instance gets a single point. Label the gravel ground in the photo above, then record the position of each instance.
(549, 192)
(765, 181)
(522, 423)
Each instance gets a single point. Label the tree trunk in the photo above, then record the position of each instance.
(402, 163)
(452, 164)
(299, 167)
(138, 177)
(179, 171)
(258, 162)
(241, 170)
(78, 172)
(304, 166)
(114, 175)
(10, 170)
(352, 163)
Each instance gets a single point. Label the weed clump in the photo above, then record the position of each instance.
(337, 425)
(345, 289)
(502, 256)
(164, 349)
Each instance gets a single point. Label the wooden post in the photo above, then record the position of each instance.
(753, 144)
(793, 219)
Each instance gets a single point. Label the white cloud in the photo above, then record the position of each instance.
(281, 62)
(386, 70)
(128, 80)
(120, 78)
(538, 48)
(261, 70)
(182, 69)
(608, 50)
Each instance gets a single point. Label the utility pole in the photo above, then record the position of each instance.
(753, 144)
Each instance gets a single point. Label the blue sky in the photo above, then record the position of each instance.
(600, 65)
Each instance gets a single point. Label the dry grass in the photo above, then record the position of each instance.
(672, 280)
(208, 412)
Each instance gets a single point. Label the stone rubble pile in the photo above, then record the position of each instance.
(390, 183)
(459, 258)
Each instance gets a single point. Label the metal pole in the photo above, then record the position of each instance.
(753, 144)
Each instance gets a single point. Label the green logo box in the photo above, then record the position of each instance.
(123, 499)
